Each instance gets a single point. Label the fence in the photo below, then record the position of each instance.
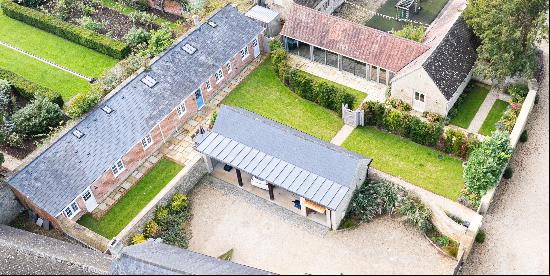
(353, 118)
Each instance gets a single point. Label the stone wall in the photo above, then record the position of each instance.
(9, 205)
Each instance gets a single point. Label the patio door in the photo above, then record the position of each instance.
(89, 199)
(419, 102)
(199, 98)
(256, 46)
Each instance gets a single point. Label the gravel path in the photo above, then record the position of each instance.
(517, 221)
(260, 239)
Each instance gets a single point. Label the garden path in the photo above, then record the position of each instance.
(342, 135)
(485, 108)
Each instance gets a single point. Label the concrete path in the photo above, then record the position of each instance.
(485, 108)
(45, 61)
(517, 223)
(10, 162)
(342, 135)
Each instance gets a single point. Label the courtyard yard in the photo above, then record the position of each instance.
(430, 10)
(412, 162)
(489, 125)
(263, 93)
(265, 237)
(134, 201)
(467, 109)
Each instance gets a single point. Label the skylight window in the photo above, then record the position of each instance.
(77, 133)
(189, 49)
(107, 109)
(212, 24)
(149, 81)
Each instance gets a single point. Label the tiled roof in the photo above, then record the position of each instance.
(350, 39)
(290, 159)
(156, 258)
(68, 166)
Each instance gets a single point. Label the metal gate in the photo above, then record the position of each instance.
(353, 118)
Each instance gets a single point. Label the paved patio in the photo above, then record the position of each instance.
(264, 238)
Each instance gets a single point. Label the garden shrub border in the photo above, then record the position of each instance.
(29, 89)
(71, 32)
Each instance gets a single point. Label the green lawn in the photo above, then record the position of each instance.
(359, 96)
(134, 201)
(263, 93)
(468, 108)
(412, 162)
(430, 10)
(489, 125)
(51, 47)
(36, 71)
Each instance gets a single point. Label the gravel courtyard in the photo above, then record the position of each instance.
(517, 222)
(224, 219)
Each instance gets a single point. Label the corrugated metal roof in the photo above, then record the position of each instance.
(262, 14)
(287, 158)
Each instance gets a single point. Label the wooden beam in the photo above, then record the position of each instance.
(270, 187)
(239, 177)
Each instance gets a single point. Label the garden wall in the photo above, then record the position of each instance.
(9, 205)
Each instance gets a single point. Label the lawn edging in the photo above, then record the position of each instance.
(183, 182)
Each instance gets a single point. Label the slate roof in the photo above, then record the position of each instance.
(157, 258)
(453, 59)
(69, 165)
(350, 39)
(290, 159)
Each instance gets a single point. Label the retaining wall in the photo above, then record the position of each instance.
(9, 205)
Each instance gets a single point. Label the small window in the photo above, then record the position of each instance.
(219, 76)
(77, 133)
(107, 109)
(228, 66)
(419, 96)
(181, 110)
(72, 210)
(189, 49)
(212, 24)
(147, 141)
(69, 212)
(118, 167)
(87, 195)
(149, 81)
(208, 85)
(244, 52)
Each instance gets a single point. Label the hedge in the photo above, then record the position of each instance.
(74, 33)
(29, 89)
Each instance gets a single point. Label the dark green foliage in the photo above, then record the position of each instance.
(518, 92)
(6, 98)
(172, 221)
(374, 113)
(137, 36)
(30, 3)
(537, 98)
(38, 117)
(480, 237)
(1, 159)
(160, 40)
(441, 241)
(416, 214)
(82, 103)
(524, 136)
(508, 173)
(373, 199)
(28, 89)
(71, 32)
(275, 44)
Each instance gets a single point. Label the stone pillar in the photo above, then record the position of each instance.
(208, 162)
(271, 194)
(329, 222)
(303, 206)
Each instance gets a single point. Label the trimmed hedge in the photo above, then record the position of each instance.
(74, 33)
(29, 89)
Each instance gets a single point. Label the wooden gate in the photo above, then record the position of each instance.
(353, 118)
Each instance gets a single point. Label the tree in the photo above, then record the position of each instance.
(509, 32)
(160, 40)
(412, 32)
(37, 117)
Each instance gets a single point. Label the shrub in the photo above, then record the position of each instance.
(173, 231)
(373, 199)
(412, 32)
(82, 103)
(275, 44)
(518, 92)
(160, 40)
(280, 66)
(136, 36)
(151, 230)
(144, 18)
(374, 113)
(178, 202)
(398, 104)
(508, 172)
(6, 98)
(537, 98)
(30, 3)
(28, 89)
(8, 134)
(79, 35)
(486, 163)
(416, 214)
(161, 214)
(38, 117)
(118, 73)
(137, 239)
(441, 241)
(88, 10)
(480, 237)
(90, 24)
(524, 136)
(454, 140)
(433, 117)
(509, 118)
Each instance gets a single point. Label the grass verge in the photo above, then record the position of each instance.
(468, 108)
(496, 112)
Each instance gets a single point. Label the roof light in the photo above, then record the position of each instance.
(107, 109)
(77, 133)
(189, 49)
(212, 24)
(149, 81)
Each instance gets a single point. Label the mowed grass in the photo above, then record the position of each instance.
(430, 10)
(263, 93)
(412, 162)
(496, 112)
(359, 96)
(53, 48)
(36, 71)
(468, 108)
(134, 201)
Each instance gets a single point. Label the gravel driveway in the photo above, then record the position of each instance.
(261, 239)
(517, 221)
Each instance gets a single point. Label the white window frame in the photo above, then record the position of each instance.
(219, 76)
(72, 210)
(229, 67)
(244, 52)
(118, 167)
(421, 97)
(208, 85)
(147, 141)
(181, 110)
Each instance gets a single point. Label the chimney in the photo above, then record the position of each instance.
(196, 20)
